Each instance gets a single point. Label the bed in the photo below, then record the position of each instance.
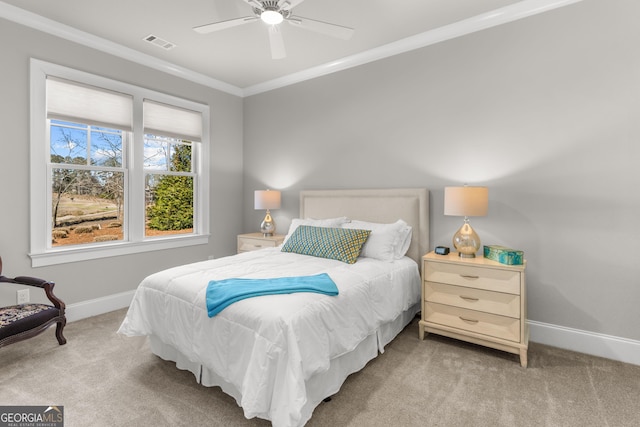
(280, 356)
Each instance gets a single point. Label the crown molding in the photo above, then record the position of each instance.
(513, 12)
(480, 22)
(55, 28)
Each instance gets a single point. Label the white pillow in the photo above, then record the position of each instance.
(329, 222)
(387, 242)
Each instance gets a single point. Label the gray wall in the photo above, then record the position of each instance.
(544, 111)
(83, 281)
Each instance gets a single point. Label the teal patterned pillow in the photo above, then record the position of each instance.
(342, 244)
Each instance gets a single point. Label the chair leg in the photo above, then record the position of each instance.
(59, 327)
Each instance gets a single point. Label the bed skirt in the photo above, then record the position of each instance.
(319, 386)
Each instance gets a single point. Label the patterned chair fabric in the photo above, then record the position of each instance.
(19, 322)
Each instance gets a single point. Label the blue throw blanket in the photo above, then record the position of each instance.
(222, 293)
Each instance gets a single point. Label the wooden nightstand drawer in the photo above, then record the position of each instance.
(500, 303)
(248, 244)
(503, 327)
(255, 241)
(490, 279)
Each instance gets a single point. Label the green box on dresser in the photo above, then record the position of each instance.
(503, 255)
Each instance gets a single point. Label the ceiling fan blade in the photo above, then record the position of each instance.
(332, 30)
(217, 26)
(288, 4)
(277, 43)
(254, 3)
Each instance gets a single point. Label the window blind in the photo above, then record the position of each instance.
(80, 103)
(172, 121)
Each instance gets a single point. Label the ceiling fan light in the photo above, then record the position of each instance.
(271, 17)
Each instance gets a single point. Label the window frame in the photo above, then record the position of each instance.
(41, 253)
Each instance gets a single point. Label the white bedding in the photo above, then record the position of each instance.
(267, 348)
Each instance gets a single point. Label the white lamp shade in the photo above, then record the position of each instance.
(267, 199)
(466, 201)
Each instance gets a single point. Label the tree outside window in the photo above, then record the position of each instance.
(169, 186)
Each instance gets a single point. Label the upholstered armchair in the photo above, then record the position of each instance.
(22, 321)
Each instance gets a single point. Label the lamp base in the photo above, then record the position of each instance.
(268, 225)
(463, 255)
(466, 241)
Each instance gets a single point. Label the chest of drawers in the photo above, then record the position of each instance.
(476, 300)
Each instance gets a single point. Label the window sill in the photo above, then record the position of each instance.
(84, 253)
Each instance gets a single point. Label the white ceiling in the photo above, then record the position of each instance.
(238, 59)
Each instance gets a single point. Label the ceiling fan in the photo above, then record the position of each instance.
(274, 12)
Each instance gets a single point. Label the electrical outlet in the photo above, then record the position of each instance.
(22, 296)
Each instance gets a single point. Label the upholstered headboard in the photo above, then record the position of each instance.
(384, 206)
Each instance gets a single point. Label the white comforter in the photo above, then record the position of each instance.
(268, 346)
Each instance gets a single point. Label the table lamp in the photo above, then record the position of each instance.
(466, 201)
(267, 199)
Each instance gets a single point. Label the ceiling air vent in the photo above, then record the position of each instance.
(166, 45)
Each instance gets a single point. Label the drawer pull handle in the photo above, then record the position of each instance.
(471, 299)
(468, 320)
(466, 276)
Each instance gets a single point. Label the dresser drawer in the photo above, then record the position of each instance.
(248, 244)
(474, 299)
(491, 279)
(503, 327)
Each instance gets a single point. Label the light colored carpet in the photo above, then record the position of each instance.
(103, 379)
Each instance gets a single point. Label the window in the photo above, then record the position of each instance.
(87, 174)
(115, 168)
(169, 135)
(169, 181)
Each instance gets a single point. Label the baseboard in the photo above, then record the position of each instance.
(97, 306)
(610, 347)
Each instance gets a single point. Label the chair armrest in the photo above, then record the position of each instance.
(39, 283)
(4, 279)
(30, 281)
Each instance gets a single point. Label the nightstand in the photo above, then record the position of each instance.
(254, 241)
(475, 300)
